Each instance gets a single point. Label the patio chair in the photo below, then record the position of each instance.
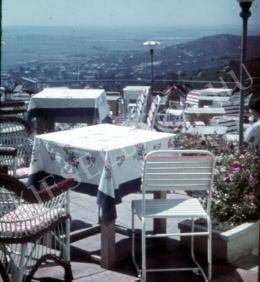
(174, 170)
(13, 108)
(136, 111)
(15, 144)
(231, 122)
(151, 116)
(34, 228)
(231, 108)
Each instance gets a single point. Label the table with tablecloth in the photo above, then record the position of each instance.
(204, 114)
(104, 159)
(67, 105)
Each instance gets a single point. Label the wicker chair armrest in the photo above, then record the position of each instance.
(54, 190)
(12, 184)
(8, 151)
(11, 103)
(3, 169)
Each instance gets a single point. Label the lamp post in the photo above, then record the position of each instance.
(151, 44)
(244, 14)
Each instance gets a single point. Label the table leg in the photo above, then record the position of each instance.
(41, 125)
(50, 124)
(45, 124)
(108, 247)
(159, 225)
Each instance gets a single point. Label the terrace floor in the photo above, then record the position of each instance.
(83, 209)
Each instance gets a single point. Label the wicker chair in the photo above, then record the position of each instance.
(34, 227)
(17, 108)
(15, 144)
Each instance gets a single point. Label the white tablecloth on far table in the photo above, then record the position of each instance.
(65, 98)
(207, 130)
(104, 155)
(205, 111)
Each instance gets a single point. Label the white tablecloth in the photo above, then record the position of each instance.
(205, 111)
(104, 155)
(65, 98)
(207, 130)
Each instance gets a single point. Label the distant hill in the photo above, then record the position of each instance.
(206, 52)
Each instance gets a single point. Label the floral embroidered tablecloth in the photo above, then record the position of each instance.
(104, 156)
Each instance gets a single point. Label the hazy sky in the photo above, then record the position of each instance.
(125, 12)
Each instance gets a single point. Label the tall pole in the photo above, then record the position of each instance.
(151, 44)
(259, 251)
(152, 80)
(244, 14)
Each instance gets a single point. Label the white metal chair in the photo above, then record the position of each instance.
(136, 111)
(173, 170)
(34, 228)
(153, 112)
(231, 122)
(151, 116)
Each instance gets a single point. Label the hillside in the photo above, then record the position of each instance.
(207, 52)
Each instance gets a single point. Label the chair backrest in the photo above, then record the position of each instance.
(141, 105)
(12, 107)
(171, 170)
(229, 122)
(153, 112)
(231, 108)
(135, 111)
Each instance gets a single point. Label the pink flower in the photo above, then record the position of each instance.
(227, 179)
(242, 157)
(251, 196)
(235, 167)
(251, 178)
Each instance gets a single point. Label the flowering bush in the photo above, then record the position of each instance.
(236, 191)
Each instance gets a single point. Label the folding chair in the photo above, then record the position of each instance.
(135, 112)
(151, 116)
(173, 170)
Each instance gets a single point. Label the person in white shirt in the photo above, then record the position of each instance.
(252, 134)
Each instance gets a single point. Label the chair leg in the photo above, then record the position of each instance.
(209, 252)
(133, 243)
(3, 273)
(196, 271)
(67, 240)
(199, 268)
(192, 240)
(19, 272)
(68, 277)
(143, 279)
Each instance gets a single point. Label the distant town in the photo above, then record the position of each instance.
(206, 58)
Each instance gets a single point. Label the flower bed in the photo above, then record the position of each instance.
(236, 191)
(227, 246)
(235, 206)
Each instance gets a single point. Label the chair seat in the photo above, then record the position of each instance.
(27, 220)
(162, 208)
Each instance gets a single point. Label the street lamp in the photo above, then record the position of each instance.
(152, 45)
(244, 14)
